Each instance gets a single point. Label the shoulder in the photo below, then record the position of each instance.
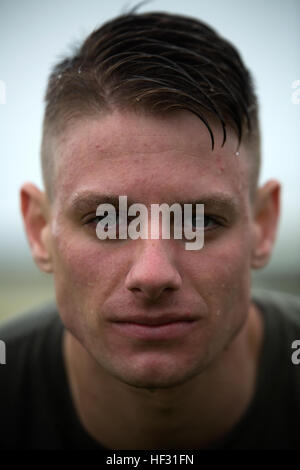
(25, 336)
(278, 306)
(28, 375)
(28, 323)
(278, 382)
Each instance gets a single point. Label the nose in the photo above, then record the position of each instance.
(153, 272)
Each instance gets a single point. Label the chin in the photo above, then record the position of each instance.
(152, 383)
(162, 384)
(156, 375)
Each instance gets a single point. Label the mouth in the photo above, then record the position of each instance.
(155, 328)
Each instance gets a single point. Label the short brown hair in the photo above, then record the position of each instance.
(157, 62)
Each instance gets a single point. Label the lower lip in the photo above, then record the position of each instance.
(155, 332)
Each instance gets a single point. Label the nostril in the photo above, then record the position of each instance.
(153, 273)
(150, 292)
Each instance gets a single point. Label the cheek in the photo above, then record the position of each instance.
(222, 279)
(85, 273)
(221, 274)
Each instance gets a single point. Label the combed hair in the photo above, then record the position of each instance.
(157, 62)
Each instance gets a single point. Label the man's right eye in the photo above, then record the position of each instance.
(107, 221)
(94, 220)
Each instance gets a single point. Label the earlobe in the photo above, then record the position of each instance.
(36, 215)
(266, 216)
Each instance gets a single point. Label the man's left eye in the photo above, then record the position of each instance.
(209, 222)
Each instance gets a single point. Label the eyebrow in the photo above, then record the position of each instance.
(85, 201)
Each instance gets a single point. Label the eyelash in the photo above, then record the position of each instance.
(216, 221)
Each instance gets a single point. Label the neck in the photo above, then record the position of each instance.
(194, 414)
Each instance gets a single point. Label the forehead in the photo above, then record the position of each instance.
(148, 158)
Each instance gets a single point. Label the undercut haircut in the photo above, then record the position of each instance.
(157, 63)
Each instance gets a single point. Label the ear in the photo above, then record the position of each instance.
(266, 216)
(35, 209)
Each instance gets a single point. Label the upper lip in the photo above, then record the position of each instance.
(156, 320)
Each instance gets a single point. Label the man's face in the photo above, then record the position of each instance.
(105, 287)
